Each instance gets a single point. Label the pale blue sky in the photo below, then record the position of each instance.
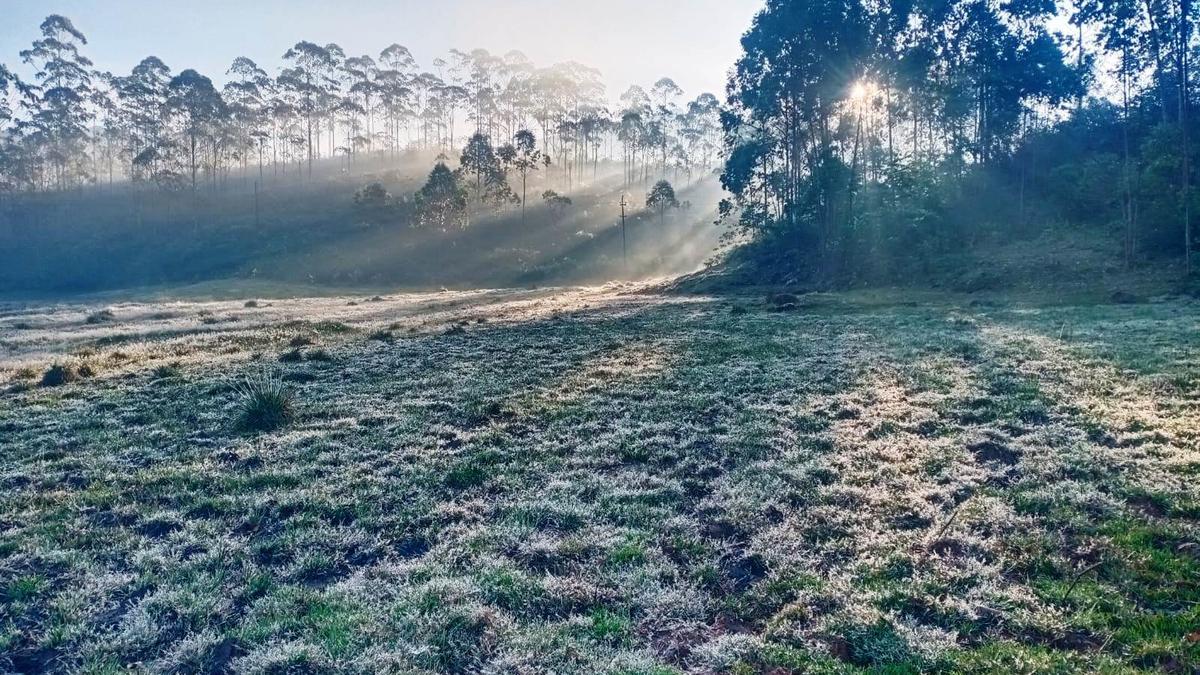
(692, 41)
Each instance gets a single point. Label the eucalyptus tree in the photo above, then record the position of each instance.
(142, 105)
(527, 160)
(57, 100)
(7, 84)
(9, 169)
(360, 74)
(663, 96)
(397, 70)
(245, 96)
(304, 79)
(198, 108)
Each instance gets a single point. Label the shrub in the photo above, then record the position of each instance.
(60, 374)
(251, 304)
(266, 404)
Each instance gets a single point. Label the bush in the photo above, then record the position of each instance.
(266, 404)
(60, 374)
(374, 205)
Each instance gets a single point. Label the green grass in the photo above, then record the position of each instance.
(644, 484)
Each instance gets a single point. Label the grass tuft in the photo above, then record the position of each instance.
(266, 404)
(59, 374)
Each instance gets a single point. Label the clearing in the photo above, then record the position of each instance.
(602, 480)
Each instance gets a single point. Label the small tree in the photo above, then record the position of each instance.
(442, 201)
(373, 203)
(661, 198)
(556, 201)
(528, 157)
(481, 162)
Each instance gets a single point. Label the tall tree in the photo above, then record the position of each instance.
(58, 110)
(311, 62)
(198, 107)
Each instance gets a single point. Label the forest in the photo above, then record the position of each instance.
(861, 143)
(294, 159)
(875, 352)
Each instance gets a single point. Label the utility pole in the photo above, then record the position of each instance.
(624, 249)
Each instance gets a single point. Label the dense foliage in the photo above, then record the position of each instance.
(868, 139)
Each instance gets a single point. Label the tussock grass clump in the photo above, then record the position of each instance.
(266, 404)
(251, 304)
(168, 370)
(102, 316)
(25, 373)
(292, 356)
(382, 336)
(65, 373)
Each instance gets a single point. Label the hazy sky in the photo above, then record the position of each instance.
(630, 41)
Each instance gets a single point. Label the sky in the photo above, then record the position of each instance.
(694, 42)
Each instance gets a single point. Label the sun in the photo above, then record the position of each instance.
(861, 90)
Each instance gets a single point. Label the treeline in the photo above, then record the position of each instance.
(870, 140)
(71, 125)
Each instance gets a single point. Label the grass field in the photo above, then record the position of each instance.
(602, 480)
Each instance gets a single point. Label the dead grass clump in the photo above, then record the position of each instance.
(25, 373)
(266, 404)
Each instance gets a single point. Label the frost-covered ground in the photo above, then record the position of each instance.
(596, 480)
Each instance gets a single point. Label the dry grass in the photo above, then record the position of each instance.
(591, 481)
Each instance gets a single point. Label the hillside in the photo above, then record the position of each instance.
(301, 230)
